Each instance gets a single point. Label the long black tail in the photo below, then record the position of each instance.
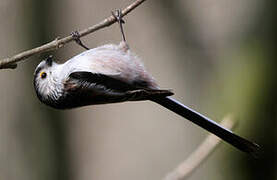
(211, 126)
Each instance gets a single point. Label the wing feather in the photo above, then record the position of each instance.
(86, 88)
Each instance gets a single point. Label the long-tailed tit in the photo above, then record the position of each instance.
(111, 74)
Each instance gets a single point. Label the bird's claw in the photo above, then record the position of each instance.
(76, 37)
(117, 14)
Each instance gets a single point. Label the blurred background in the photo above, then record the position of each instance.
(217, 56)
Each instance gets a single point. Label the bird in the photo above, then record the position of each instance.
(112, 73)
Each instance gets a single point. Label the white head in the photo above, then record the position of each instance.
(46, 81)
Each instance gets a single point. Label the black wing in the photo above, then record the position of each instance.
(86, 88)
(101, 80)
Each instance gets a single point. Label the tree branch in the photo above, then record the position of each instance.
(10, 62)
(187, 167)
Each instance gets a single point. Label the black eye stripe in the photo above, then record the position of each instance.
(37, 71)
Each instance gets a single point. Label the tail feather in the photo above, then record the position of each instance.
(145, 94)
(211, 126)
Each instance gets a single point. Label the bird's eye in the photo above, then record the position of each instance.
(43, 75)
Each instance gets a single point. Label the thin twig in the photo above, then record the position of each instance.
(10, 62)
(187, 167)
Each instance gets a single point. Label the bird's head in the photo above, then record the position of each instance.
(46, 80)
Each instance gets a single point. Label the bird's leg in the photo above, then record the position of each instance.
(118, 16)
(76, 37)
